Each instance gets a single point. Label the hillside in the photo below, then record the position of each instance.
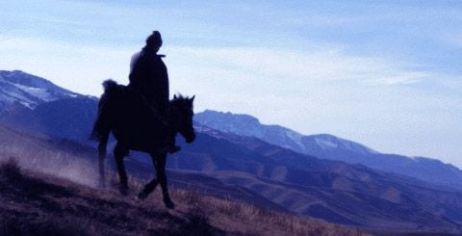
(71, 160)
(54, 193)
(260, 174)
(331, 190)
(36, 204)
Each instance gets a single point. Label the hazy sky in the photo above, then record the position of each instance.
(387, 74)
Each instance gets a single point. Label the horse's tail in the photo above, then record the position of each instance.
(101, 128)
(109, 85)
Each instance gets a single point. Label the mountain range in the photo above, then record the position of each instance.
(316, 175)
(330, 147)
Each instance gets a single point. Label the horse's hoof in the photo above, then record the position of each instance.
(169, 204)
(143, 195)
(123, 190)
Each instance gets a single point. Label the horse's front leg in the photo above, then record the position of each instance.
(161, 162)
(119, 153)
(148, 188)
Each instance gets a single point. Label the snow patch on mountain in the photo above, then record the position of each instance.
(327, 141)
(296, 138)
(40, 93)
(325, 144)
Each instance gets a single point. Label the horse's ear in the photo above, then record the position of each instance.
(174, 97)
(192, 99)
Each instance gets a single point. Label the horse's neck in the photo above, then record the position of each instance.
(173, 119)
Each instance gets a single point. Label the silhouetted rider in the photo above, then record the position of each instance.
(148, 73)
(148, 76)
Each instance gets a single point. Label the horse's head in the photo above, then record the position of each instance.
(182, 114)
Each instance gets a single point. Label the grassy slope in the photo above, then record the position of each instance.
(37, 204)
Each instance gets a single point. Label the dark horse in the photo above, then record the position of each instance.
(138, 126)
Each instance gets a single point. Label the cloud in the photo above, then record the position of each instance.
(390, 105)
(320, 65)
(403, 78)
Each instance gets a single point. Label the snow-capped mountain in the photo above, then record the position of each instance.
(17, 87)
(334, 148)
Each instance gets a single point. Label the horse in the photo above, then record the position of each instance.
(138, 126)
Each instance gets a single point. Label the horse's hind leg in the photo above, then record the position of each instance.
(101, 158)
(161, 162)
(119, 153)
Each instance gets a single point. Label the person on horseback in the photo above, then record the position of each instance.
(149, 78)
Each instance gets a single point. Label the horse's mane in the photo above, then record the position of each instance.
(181, 101)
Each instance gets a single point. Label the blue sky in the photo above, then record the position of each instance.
(383, 73)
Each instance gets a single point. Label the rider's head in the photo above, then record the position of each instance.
(154, 40)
